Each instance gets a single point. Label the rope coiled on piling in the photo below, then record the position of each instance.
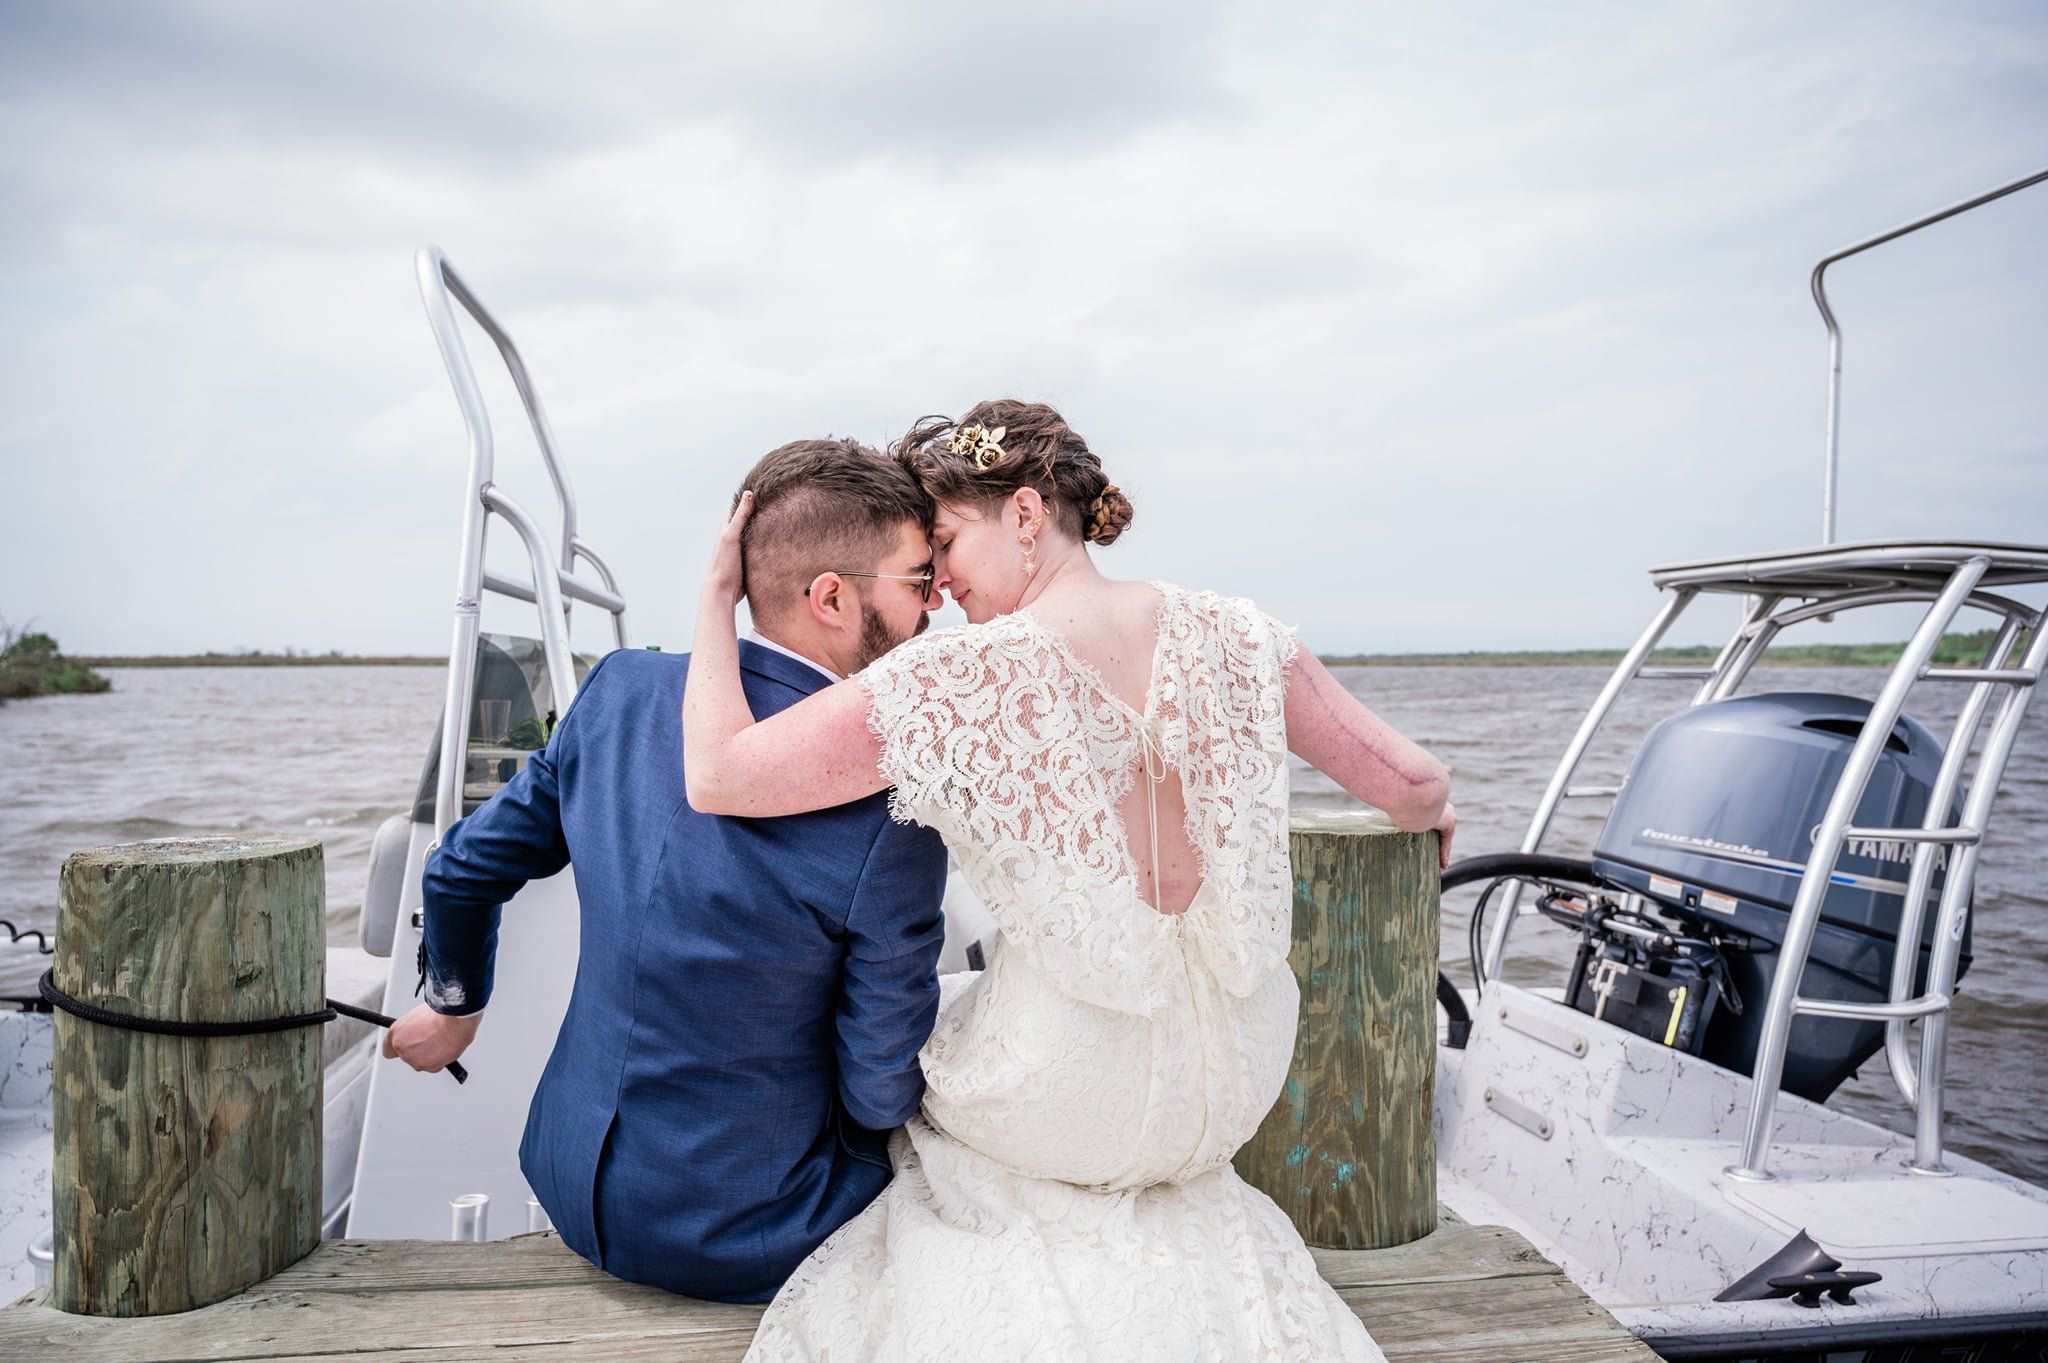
(79, 1008)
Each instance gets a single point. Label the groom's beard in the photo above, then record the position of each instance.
(876, 638)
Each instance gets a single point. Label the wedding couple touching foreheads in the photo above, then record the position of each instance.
(763, 1089)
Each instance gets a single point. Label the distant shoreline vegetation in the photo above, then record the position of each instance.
(1953, 649)
(256, 657)
(32, 665)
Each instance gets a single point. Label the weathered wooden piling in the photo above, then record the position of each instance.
(1349, 1151)
(187, 1168)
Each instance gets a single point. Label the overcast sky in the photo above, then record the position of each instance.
(1428, 326)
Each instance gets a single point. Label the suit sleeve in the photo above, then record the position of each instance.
(891, 990)
(484, 860)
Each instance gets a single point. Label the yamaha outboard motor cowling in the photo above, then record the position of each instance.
(1715, 823)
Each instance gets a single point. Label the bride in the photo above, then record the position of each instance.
(1107, 762)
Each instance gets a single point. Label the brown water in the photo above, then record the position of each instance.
(332, 751)
(328, 752)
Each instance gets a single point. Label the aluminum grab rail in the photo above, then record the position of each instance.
(1633, 666)
(1784, 1001)
(578, 549)
(554, 582)
(1913, 909)
(1820, 297)
(571, 589)
(1488, 966)
(1821, 607)
(554, 611)
(1756, 614)
(1764, 618)
(1756, 636)
(606, 599)
(1955, 898)
(436, 271)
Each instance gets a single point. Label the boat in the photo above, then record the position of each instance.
(407, 1155)
(1782, 891)
(1658, 1125)
(435, 1159)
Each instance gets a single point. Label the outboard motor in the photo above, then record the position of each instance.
(1714, 825)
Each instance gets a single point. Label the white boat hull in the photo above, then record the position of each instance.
(1608, 1151)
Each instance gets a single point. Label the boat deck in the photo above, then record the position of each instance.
(1479, 1293)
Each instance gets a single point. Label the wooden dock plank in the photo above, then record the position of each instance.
(589, 1319)
(1527, 1318)
(1456, 1250)
(639, 1349)
(1453, 1251)
(409, 1265)
(1478, 1293)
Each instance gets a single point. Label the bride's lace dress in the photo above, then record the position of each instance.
(1066, 1192)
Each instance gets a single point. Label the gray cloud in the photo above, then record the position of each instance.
(1429, 328)
(501, 86)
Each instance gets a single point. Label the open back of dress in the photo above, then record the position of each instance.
(1000, 737)
(1066, 1190)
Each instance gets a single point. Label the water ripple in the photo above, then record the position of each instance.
(332, 751)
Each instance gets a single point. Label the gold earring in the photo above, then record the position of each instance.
(1030, 543)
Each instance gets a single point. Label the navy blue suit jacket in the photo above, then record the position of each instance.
(749, 1000)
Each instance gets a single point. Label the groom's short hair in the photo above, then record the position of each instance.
(819, 505)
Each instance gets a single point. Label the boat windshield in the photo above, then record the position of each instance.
(511, 715)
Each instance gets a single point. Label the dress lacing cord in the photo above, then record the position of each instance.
(1154, 757)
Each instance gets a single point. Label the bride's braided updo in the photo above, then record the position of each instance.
(998, 447)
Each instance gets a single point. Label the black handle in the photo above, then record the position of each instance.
(376, 1019)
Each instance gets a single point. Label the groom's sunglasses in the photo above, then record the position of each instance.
(923, 580)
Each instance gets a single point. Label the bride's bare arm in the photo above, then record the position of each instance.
(1331, 731)
(817, 753)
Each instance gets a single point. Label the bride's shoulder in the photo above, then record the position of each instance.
(947, 649)
(1208, 604)
(1187, 612)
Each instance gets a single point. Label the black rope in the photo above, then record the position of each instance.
(15, 934)
(57, 998)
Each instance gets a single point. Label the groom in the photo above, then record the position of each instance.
(751, 994)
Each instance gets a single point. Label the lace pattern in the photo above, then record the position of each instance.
(1015, 751)
(1066, 1191)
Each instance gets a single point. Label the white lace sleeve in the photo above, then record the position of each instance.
(914, 694)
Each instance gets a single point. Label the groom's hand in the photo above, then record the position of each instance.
(427, 1040)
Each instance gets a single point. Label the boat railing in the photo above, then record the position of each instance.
(1784, 590)
(1820, 298)
(554, 584)
(1947, 589)
(1924, 1090)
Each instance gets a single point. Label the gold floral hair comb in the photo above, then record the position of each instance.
(981, 444)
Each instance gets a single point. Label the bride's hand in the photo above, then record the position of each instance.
(725, 581)
(1446, 826)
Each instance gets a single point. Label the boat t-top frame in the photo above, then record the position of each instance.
(554, 583)
(1785, 589)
